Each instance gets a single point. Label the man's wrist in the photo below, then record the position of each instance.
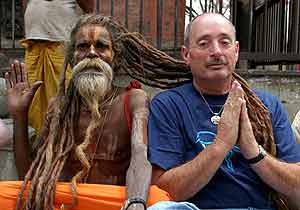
(261, 155)
(134, 200)
(225, 145)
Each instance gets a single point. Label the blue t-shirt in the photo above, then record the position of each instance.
(179, 128)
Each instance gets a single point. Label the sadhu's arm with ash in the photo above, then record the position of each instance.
(138, 177)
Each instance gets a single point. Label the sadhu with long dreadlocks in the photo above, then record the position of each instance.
(94, 132)
(223, 145)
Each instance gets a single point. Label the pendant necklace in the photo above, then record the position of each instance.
(216, 115)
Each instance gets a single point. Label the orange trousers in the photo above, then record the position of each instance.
(90, 196)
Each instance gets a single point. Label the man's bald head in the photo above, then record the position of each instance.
(203, 17)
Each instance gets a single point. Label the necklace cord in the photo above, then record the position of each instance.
(210, 109)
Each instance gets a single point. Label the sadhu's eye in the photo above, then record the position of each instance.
(82, 46)
(101, 45)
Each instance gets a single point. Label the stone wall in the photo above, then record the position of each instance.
(286, 88)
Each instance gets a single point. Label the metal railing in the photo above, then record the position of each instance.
(275, 37)
(11, 23)
(11, 30)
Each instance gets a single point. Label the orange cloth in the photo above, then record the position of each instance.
(90, 196)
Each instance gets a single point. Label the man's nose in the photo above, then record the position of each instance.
(215, 49)
(92, 52)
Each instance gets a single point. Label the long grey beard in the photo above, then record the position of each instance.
(92, 86)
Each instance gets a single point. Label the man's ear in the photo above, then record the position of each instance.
(237, 50)
(185, 54)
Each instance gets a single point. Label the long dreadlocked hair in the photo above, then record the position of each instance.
(139, 60)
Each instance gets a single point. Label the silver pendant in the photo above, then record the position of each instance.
(215, 119)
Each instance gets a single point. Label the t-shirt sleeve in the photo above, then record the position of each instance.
(287, 149)
(165, 144)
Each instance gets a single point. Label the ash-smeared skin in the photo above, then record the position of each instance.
(139, 151)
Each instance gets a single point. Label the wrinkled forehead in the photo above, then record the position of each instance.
(211, 24)
(93, 32)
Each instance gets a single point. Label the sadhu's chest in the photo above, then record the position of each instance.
(110, 140)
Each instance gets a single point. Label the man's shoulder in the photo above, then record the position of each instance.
(137, 92)
(266, 97)
(135, 98)
(273, 104)
(174, 93)
(263, 93)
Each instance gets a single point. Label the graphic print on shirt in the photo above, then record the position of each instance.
(206, 138)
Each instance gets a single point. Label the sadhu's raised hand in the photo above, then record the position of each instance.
(19, 91)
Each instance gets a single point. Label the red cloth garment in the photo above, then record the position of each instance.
(133, 84)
